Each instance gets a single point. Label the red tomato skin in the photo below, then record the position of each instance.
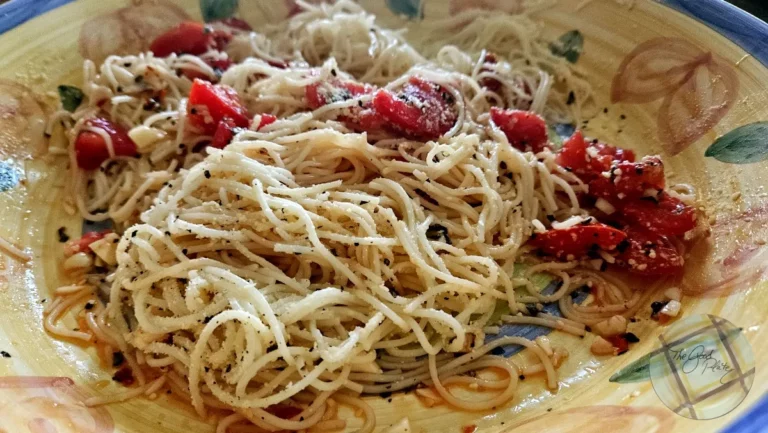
(320, 94)
(420, 110)
(525, 130)
(360, 118)
(629, 180)
(619, 342)
(217, 101)
(647, 253)
(224, 133)
(227, 130)
(668, 217)
(578, 241)
(266, 119)
(82, 245)
(91, 150)
(189, 37)
(573, 154)
(491, 84)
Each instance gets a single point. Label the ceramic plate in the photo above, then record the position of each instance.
(684, 79)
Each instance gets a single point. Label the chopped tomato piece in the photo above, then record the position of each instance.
(629, 180)
(573, 154)
(489, 83)
(588, 160)
(524, 130)
(616, 153)
(266, 119)
(358, 118)
(649, 253)
(578, 241)
(210, 103)
(224, 133)
(669, 216)
(82, 245)
(188, 37)
(91, 150)
(421, 109)
(320, 94)
(619, 342)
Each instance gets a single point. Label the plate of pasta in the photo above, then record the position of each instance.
(401, 216)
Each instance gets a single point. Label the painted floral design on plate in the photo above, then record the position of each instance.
(697, 88)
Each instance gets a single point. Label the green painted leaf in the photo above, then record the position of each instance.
(554, 137)
(502, 308)
(217, 9)
(743, 145)
(570, 45)
(638, 371)
(71, 97)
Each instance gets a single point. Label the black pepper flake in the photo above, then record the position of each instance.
(134, 233)
(184, 251)
(633, 319)
(587, 328)
(207, 319)
(603, 266)
(138, 79)
(193, 110)
(631, 338)
(229, 368)
(622, 246)
(521, 377)
(551, 218)
(333, 72)
(89, 305)
(571, 98)
(207, 369)
(117, 359)
(622, 117)
(549, 409)
(605, 110)
(357, 244)
(119, 89)
(63, 236)
(503, 165)
(386, 262)
(656, 308)
(5, 354)
(207, 174)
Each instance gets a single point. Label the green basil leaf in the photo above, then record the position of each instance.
(743, 145)
(570, 45)
(217, 9)
(71, 97)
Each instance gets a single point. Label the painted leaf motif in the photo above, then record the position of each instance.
(129, 30)
(654, 69)
(638, 371)
(569, 45)
(743, 145)
(217, 9)
(695, 107)
(508, 6)
(409, 8)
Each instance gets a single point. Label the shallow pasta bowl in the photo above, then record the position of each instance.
(679, 78)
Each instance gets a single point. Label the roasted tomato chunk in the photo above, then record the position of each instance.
(578, 241)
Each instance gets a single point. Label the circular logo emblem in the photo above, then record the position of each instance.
(703, 368)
